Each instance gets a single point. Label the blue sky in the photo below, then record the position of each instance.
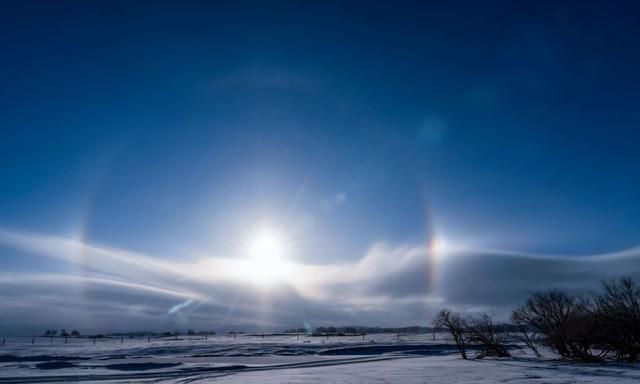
(172, 130)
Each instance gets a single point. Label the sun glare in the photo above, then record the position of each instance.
(267, 245)
(267, 250)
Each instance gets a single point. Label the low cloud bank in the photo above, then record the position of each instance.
(98, 288)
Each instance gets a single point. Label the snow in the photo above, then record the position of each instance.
(443, 369)
(381, 358)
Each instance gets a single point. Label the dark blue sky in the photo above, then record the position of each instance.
(171, 128)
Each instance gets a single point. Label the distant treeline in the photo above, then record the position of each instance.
(63, 333)
(360, 330)
(75, 333)
(597, 327)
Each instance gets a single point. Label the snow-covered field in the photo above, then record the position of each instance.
(380, 358)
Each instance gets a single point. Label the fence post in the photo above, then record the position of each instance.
(122, 340)
(33, 340)
(65, 339)
(3, 340)
(94, 339)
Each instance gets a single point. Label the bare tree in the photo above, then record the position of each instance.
(548, 313)
(489, 336)
(456, 326)
(618, 318)
(566, 322)
(524, 334)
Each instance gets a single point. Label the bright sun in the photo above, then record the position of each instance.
(267, 250)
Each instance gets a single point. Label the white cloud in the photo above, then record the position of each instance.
(106, 288)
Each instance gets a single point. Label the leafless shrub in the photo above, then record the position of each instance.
(604, 326)
(617, 312)
(548, 313)
(489, 336)
(524, 334)
(481, 332)
(568, 324)
(456, 326)
(584, 334)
